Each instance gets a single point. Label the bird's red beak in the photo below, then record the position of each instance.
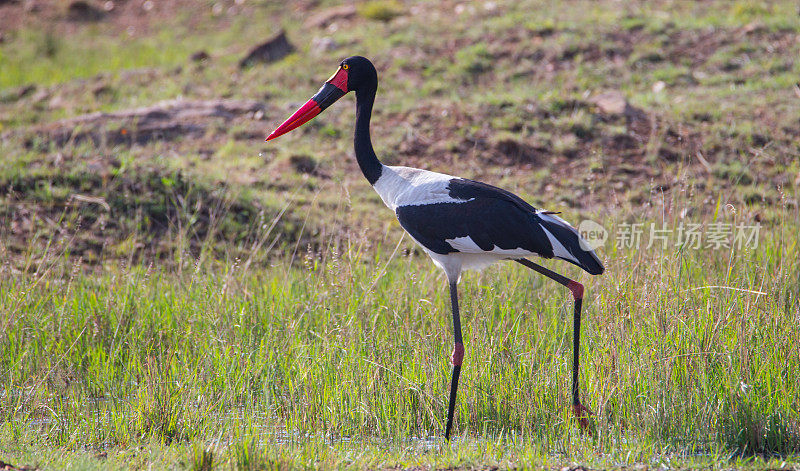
(300, 117)
(333, 89)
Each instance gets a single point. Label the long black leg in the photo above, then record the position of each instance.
(456, 359)
(580, 411)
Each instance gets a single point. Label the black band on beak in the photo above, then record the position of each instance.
(327, 95)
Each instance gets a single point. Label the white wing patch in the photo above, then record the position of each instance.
(467, 245)
(557, 220)
(554, 218)
(558, 248)
(405, 186)
(464, 244)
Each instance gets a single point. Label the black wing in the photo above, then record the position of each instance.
(492, 217)
(487, 215)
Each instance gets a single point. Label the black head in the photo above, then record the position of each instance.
(355, 74)
(361, 74)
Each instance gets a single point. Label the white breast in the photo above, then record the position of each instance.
(405, 186)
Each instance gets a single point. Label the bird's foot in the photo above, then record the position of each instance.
(583, 414)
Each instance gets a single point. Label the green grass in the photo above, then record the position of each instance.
(50, 58)
(45, 56)
(231, 310)
(380, 10)
(688, 355)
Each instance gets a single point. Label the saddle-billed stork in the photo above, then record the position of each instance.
(461, 224)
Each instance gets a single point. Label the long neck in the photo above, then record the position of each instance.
(365, 155)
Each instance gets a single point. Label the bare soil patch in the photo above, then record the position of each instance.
(163, 121)
(131, 17)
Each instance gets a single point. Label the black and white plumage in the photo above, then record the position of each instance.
(464, 224)
(461, 224)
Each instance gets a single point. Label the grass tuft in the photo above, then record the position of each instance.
(380, 10)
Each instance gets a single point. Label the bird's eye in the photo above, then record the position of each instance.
(345, 66)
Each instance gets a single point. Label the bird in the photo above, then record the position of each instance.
(461, 224)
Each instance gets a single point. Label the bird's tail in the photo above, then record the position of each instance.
(568, 244)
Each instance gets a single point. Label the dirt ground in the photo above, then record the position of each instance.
(578, 150)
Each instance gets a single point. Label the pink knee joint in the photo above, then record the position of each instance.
(576, 288)
(458, 354)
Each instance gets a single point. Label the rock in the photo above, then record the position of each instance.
(274, 49)
(659, 86)
(56, 102)
(612, 102)
(80, 10)
(200, 56)
(307, 165)
(304, 164)
(324, 44)
(754, 27)
(9, 466)
(101, 89)
(324, 18)
(515, 151)
(17, 93)
(40, 96)
(31, 6)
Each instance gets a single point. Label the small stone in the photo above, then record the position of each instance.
(324, 44)
(56, 102)
(101, 89)
(81, 10)
(41, 95)
(199, 56)
(304, 164)
(612, 102)
(659, 86)
(325, 18)
(23, 91)
(273, 49)
(31, 6)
